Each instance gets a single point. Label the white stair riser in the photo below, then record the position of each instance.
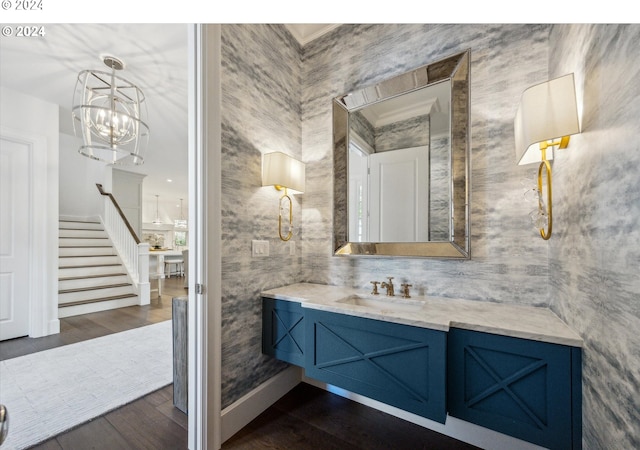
(80, 242)
(87, 255)
(89, 282)
(70, 311)
(90, 295)
(75, 261)
(87, 271)
(80, 225)
(86, 251)
(82, 233)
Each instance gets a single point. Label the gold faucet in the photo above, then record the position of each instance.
(405, 290)
(388, 286)
(375, 287)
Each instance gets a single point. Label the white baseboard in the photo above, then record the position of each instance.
(455, 428)
(54, 326)
(238, 415)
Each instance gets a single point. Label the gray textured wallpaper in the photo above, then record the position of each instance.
(594, 255)
(502, 241)
(277, 97)
(260, 114)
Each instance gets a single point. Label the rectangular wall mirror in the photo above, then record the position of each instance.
(401, 164)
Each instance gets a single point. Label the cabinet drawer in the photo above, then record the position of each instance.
(397, 364)
(526, 389)
(283, 330)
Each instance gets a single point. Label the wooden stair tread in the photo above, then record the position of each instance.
(82, 277)
(85, 256)
(93, 288)
(83, 237)
(95, 300)
(88, 265)
(84, 246)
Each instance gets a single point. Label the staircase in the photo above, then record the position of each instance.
(91, 276)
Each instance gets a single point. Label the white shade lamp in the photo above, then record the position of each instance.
(284, 172)
(547, 116)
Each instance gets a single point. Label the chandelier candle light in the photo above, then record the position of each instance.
(109, 113)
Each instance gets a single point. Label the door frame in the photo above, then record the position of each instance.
(43, 286)
(204, 323)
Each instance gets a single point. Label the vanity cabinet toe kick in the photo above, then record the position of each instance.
(527, 389)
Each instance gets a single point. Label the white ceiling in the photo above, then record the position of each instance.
(155, 57)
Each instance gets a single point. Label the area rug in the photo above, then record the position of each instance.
(52, 391)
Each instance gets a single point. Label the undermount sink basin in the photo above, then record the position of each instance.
(383, 302)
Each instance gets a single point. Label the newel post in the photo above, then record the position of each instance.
(143, 273)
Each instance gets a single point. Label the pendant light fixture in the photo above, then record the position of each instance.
(157, 221)
(109, 113)
(180, 223)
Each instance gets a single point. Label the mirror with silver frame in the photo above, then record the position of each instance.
(401, 164)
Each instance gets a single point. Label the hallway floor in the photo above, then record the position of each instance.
(99, 433)
(88, 326)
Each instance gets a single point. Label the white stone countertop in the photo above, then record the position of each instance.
(437, 313)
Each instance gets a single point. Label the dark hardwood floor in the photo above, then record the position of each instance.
(88, 326)
(311, 418)
(305, 418)
(150, 422)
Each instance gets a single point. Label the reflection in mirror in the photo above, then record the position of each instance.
(400, 161)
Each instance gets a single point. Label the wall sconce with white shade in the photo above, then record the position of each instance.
(547, 116)
(283, 172)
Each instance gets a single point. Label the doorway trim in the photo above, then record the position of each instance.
(43, 315)
(205, 350)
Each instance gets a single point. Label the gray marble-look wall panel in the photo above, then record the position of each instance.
(595, 251)
(408, 133)
(260, 78)
(440, 189)
(505, 59)
(592, 259)
(359, 125)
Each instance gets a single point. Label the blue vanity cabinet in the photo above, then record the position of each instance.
(283, 335)
(527, 389)
(400, 365)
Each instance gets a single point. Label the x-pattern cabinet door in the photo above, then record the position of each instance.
(523, 388)
(401, 365)
(283, 330)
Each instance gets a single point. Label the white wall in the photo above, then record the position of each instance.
(79, 196)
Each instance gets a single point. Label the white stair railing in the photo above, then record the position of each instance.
(134, 254)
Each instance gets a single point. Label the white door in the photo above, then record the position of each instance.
(399, 195)
(14, 238)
